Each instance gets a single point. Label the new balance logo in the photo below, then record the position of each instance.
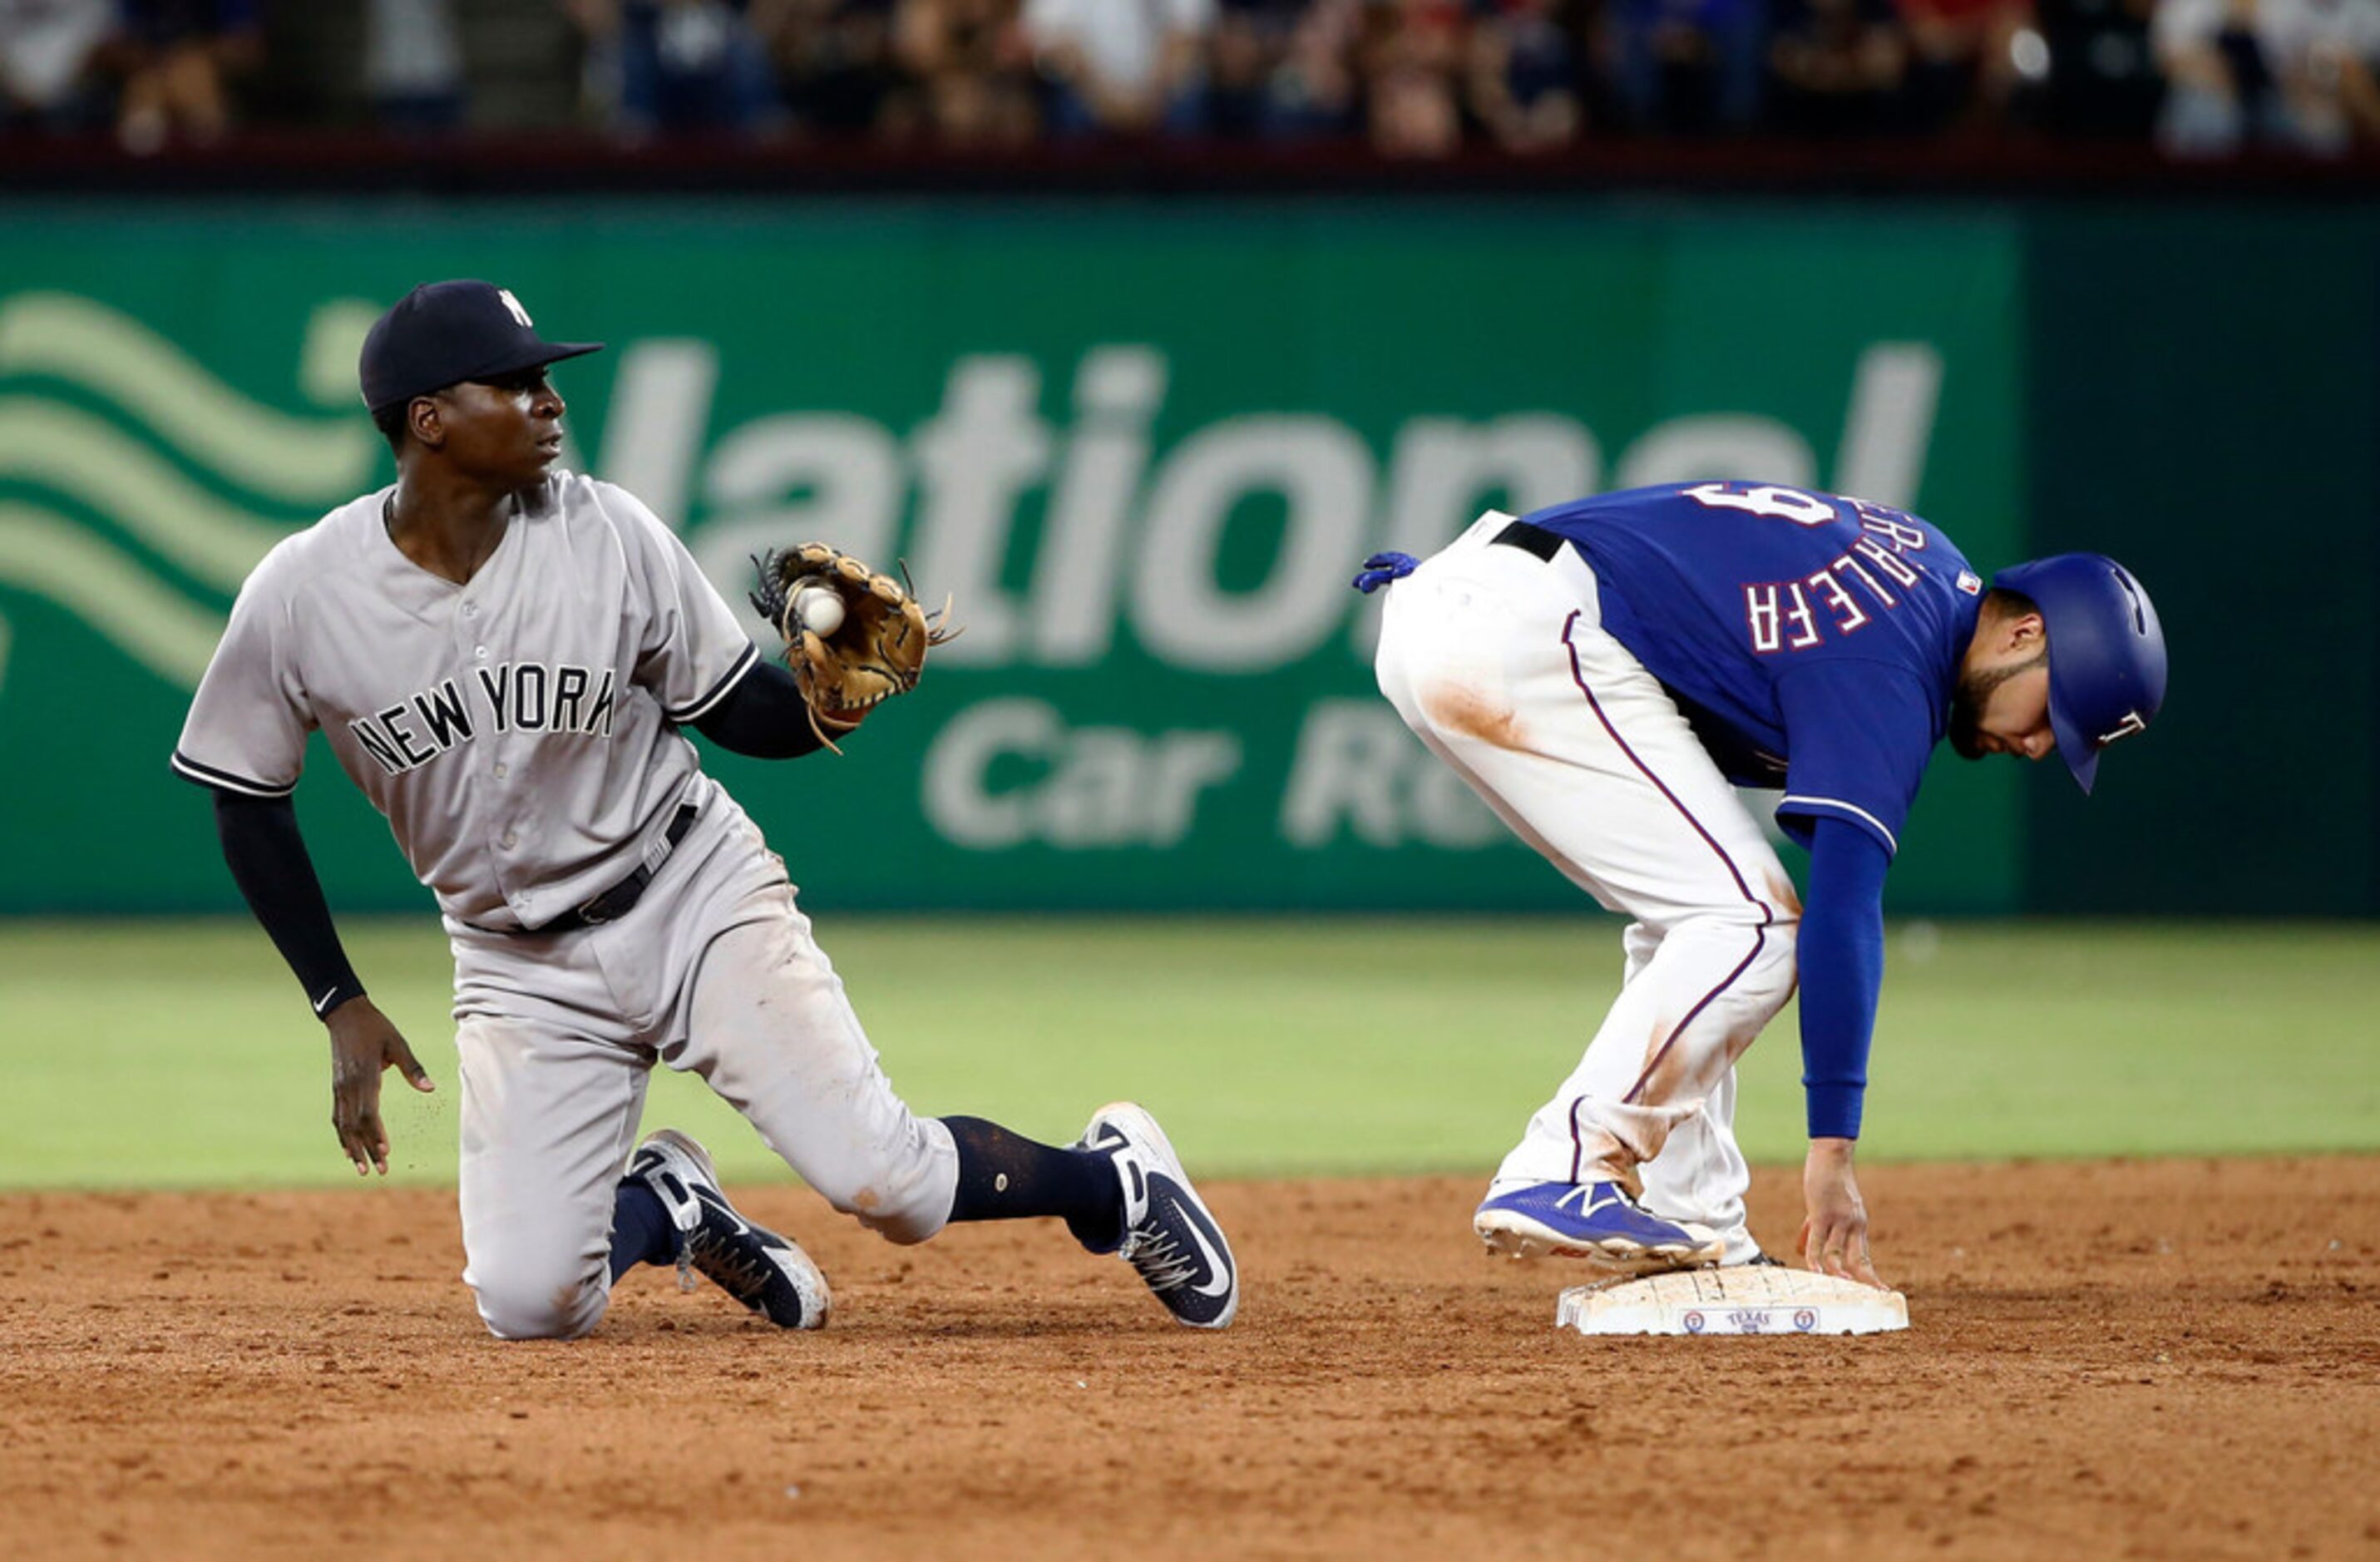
(1610, 1200)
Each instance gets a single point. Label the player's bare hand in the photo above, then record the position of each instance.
(363, 1044)
(1834, 1232)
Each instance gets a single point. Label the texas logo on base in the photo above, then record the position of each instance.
(1735, 1300)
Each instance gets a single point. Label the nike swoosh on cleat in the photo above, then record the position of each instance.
(743, 1227)
(1215, 1264)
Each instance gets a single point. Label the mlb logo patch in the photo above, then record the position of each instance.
(1971, 582)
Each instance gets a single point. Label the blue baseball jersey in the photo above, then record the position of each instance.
(1813, 640)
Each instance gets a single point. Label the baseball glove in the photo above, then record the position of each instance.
(877, 651)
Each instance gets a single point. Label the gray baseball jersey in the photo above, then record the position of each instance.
(519, 730)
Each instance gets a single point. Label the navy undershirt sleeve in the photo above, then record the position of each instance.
(269, 862)
(763, 715)
(1841, 957)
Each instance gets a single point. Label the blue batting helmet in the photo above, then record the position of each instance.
(2107, 654)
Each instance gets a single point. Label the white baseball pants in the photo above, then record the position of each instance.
(714, 970)
(1498, 659)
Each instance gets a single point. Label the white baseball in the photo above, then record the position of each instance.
(819, 609)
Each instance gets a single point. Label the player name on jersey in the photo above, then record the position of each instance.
(1782, 615)
(516, 697)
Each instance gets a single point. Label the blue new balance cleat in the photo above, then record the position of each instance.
(1595, 1221)
(1168, 1235)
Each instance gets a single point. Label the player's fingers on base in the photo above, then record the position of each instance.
(1815, 1236)
(1828, 1241)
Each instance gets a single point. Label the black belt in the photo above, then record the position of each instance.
(622, 898)
(1531, 540)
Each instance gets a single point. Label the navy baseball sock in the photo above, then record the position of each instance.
(1004, 1175)
(642, 1231)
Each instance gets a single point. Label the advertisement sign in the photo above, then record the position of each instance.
(1143, 451)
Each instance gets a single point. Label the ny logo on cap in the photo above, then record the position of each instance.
(2124, 728)
(513, 305)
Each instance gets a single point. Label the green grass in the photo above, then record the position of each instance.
(180, 1053)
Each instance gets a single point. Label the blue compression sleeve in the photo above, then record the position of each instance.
(1843, 967)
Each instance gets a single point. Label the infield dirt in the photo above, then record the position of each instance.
(2156, 1360)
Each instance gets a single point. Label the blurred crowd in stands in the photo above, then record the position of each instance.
(1412, 78)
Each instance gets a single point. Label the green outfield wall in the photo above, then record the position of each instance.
(2203, 402)
(1145, 447)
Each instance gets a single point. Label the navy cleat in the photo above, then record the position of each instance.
(1595, 1221)
(1169, 1235)
(767, 1273)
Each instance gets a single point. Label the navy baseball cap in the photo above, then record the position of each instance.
(444, 332)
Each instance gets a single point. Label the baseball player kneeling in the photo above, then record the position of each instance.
(1601, 671)
(502, 656)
